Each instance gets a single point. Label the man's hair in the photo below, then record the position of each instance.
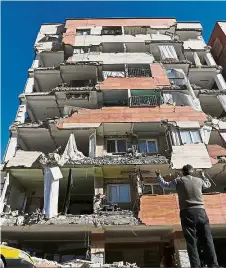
(187, 170)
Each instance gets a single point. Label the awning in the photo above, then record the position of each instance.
(24, 159)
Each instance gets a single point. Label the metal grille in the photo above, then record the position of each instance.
(137, 101)
(139, 72)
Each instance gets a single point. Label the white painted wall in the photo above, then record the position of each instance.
(194, 44)
(189, 25)
(29, 85)
(219, 79)
(35, 63)
(87, 40)
(209, 59)
(11, 148)
(20, 116)
(115, 58)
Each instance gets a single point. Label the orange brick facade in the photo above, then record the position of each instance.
(159, 78)
(164, 209)
(71, 25)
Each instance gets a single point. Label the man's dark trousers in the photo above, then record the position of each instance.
(195, 225)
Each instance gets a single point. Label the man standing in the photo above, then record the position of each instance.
(194, 220)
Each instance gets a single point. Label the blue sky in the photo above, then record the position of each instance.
(21, 22)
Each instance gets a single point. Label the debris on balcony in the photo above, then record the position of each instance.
(121, 217)
(109, 160)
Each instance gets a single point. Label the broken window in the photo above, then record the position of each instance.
(49, 38)
(77, 96)
(81, 83)
(111, 30)
(190, 136)
(82, 31)
(147, 146)
(119, 193)
(116, 145)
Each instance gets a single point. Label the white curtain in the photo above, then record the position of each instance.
(168, 53)
(175, 137)
(107, 74)
(222, 100)
(51, 191)
(177, 76)
(205, 133)
(71, 152)
(198, 63)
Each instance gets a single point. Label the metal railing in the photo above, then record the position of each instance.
(139, 72)
(146, 101)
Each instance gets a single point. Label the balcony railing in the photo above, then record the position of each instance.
(139, 72)
(145, 101)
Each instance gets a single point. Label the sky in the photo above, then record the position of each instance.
(20, 23)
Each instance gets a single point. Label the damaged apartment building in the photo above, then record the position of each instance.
(106, 103)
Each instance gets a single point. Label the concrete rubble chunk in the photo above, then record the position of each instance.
(39, 262)
(123, 217)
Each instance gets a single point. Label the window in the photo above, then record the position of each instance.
(82, 31)
(147, 146)
(190, 136)
(116, 145)
(119, 193)
(111, 30)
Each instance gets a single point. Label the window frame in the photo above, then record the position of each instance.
(116, 149)
(190, 130)
(84, 30)
(152, 188)
(118, 194)
(147, 140)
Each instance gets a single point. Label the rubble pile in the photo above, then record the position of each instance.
(81, 264)
(44, 262)
(119, 264)
(123, 217)
(110, 160)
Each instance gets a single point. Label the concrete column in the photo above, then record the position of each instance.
(181, 250)
(219, 79)
(11, 148)
(35, 63)
(98, 247)
(209, 59)
(29, 85)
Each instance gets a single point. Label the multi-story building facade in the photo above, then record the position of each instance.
(218, 43)
(108, 101)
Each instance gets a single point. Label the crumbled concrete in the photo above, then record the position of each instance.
(44, 262)
(119, 264)
(124, 217)
(81, 264)
(109, 160)
(68, 88)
